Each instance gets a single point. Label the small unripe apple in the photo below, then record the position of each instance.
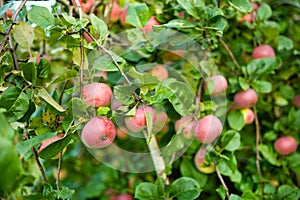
(125, 197)
(246, 98)
(86, 5)
(263, 51)
(138, 121)
(296, 101)
(98, 132)
(248, 115)
(187, 125)
(201, 164)
(97, 94)
(219, 84)
(152, 22)
(208, 129)
(47, 142)
(160, 72)
(115, 12)
(285, 145)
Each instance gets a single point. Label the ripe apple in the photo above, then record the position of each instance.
(123, 18)
(161, 122)
(201, 164)
(97, 94)
(160, 72)
(8, 13)
(248, 115)
(187, 125)
(255, 6)
(219, 83)
(47, 142)
(285, 145)
(152, 22)
(208, 129)
(138, 121)
(86, 5)
(296, 101)
(98, 132)
(246, 98)
(263, 51)
(248, 17)
(115, 12)
(125, 197)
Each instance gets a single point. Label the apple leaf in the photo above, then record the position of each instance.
(46, 96)
(185, 188)
(29, 72)
(69, 74)
(5, 128)
(268, 154)
(234, 197)
(264, 12)
(99, 26)
(40, 16)
(191, 7)
(261, 86)
(147, 191)
(188, 169)
(287, 192)
(105, 63)
(236, 120)
(125, 93)
(227, 163)
(284, 43)
(23, 34)
(231, 140)
(257, 68)
(241, 5)
(138, 15)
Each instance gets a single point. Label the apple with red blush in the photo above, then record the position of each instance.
(208, 129)
(201, 163)
(160, 72)
(218, 84)
(125, 196)
(186, 125)
(285, 145)
(296, 101)
(47, 142)
(86, 5)
(263, 51)
(97, 94)
(152, 22)
(248, 115)
(246, 98)
(115, 12)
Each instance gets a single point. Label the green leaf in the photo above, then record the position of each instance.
(15, 102)
(227, 164)
(105, 63)
(54, 148)
(125, 93)
(102, 111)
(67, 75)
(5, 129)
(244, 83)
(234, 197)
(79, 108)
(68, 18)
(23, 34)
(191, 7)
(138, 15)
(40, 16)
(149, 123)
(46, 96)
(236, 120)
(24, 146)
(262, 67)
(264, 12)
(147, 191)
(268, 154)
(185, 188)
(43, 69)
(284, 43)
(231, 140)
(99, 26)
(248, 194)
(241, 5)
(188, 169)
(10, 165)
(261, 86)
(65, 193)
(287, 192)
(142, 78)
(29, 72)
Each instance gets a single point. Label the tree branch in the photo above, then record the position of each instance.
(222, 181)
(35, 155)
(229, 52)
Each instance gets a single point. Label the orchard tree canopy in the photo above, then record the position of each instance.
(150, 100)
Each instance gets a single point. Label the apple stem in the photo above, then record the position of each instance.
(222, 181)
(258, 138)
(157, 159)
(229, 52)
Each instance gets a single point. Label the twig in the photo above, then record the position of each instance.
(81, 61)
(229, 52)
(11, 26)
(36, 158)
(222, 181)
(258, 158)
(198, 97)
(58, 171)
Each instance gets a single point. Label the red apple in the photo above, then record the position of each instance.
(47, 142)
(248, 115)
(208, 129)
(187, 125)
(86, 5)
(161, 122)
(285, 145)
(219, 83)
(123, 18)
(87, 38)
(248, 17)
(160, 72)
(263, 51)
(296, 101)
(115, 12)
(39, 56)
(152, 22)
(255, 6)
(246, 98)
(201, 164)
(138, 121)
(111, 194)
(8, 13)
(125, 197)
(97, 94)
(98, 132)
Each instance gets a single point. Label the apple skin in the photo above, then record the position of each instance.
(123, 18)
(125, 197)
(8, 13)
(98, 132)
(248, 17)
(160, 72)
(296, 101)
(39, 56)
(208, 129)
(201, 164)
(246, 98)
(138, 121)
(47, 142)
(97, 94)
(87, 38)
(248, 115)
(285, 145)
(152, 22)
(86, 5)
(161, 122)
(188, 125)
(122, 133)
(115, 12)
(220, 84)
(263, 51)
